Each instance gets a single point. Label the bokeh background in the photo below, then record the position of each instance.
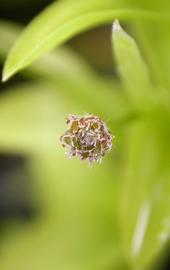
(57, 213)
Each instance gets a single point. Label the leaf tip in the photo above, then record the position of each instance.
(5, 76)
(4, 79)
(116, 26)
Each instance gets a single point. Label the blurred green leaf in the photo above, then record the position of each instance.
(80, 84)
(145, 211)
(30, 118)
(132, 68)
(61, 21)
(155, 41)
(33, 116)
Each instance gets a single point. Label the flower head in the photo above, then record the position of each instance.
(87, 137)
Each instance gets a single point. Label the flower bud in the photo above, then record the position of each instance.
(87, 137)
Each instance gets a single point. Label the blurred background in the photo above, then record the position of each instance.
(57, 213)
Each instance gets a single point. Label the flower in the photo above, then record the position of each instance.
(87, 137)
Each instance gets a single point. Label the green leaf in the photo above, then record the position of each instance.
(33, 115)
(132, 68)
(30, 119)
(155, 43)
(61, 21)
(62, 68)
(154, 39)
(24, 101)
(145, 211)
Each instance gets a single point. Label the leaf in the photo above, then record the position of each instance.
(155, 42)
(62, 68)
(154, 39)
(132, 68)
(21, 109)
(30, 119)
(61, 21)
(33, 116)
(145, 211)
